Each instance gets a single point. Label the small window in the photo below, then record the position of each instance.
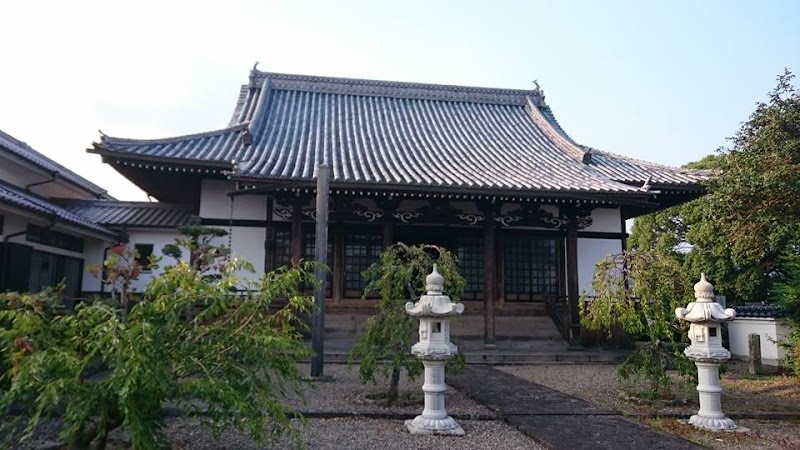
(712, 332)
(143, 251)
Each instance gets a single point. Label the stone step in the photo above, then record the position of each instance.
(531, 327)
(334, 355)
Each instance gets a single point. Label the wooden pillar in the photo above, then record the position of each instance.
(321, 254)
(297, 231)
(338, 265)
(489, 276)
(269, 238)
(573, 296)
(388, 207)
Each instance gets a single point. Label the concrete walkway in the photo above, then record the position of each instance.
(557, 420)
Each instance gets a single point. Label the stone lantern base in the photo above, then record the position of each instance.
(714, 423)
(423, 425)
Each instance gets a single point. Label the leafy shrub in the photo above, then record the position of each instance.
(399, 277)
(215, 350)
(641, 291)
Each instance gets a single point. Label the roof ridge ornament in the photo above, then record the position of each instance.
(538, 91)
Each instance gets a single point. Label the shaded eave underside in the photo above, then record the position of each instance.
(25, 152)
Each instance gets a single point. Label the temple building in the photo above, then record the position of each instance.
(488, 173)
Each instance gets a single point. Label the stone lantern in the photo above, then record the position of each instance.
(434, 349)
(707, 352)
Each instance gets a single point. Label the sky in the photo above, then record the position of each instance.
(666, 82)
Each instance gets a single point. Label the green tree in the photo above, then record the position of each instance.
(786, 292)
(640, 291)
(739, 234)
(213, 345)
(399, 277)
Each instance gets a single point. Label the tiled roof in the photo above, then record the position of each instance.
(403, 134)
(116, 214)
(218, 146)
(14, 196)
(25, 152)
(760, 311)
(630, 170)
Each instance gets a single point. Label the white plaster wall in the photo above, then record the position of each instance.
(605, 220)
(590, 252)
(93, 256)
(159, 238)
(248, 243)
(95, 252)
(770, 331)
(215, 204)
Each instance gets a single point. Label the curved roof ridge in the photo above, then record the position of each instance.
(106, 138)
(561, 139)
(360, 86)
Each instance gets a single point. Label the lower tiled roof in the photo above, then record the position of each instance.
(14, 196)
(116, 214)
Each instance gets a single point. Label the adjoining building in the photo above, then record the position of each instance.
(55, 224)
(43, 243)
(488, 173)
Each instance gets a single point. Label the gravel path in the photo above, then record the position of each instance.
(359, 433)
(344, 417)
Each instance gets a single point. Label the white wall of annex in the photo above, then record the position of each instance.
(605, 220)
(215, 203)
(93, 256)
(95, 252)
(590, 252)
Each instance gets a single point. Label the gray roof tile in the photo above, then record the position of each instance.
(117, 214)
(402, 134)
(14, 196)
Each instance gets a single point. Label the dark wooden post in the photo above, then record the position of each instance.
(338, 265)
(388, 207)
(489, 276)
(269, 241)
(573, 298)
(321, 250)
(297, 231)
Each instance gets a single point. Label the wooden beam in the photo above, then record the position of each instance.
(321, 253)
